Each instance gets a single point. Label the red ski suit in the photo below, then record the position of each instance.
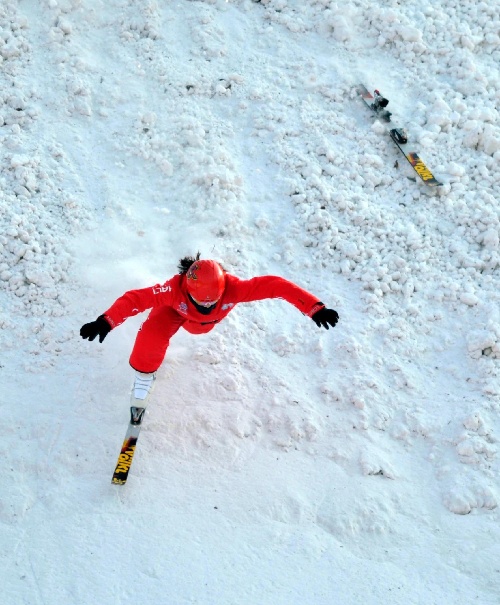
(172, 308)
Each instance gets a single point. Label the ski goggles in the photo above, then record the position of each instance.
(205, 303)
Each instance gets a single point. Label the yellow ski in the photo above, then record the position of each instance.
(127, 452)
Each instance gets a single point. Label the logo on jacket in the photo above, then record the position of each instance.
(191, 274)
(227, 306)
(161, 289)
(183, 308)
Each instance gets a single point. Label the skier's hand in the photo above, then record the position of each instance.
(100, 327)
(325, 318)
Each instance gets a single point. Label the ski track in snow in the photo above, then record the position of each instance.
(277, 463)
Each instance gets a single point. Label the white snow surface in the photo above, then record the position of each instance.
(278, 463)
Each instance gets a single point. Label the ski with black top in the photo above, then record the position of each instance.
(128, 448)
(377, 103)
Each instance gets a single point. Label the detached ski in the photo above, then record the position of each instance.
(128, 448)
(377, 103)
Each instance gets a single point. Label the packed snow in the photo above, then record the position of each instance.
(278, 463)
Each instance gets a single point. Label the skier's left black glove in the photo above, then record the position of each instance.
(325, 318)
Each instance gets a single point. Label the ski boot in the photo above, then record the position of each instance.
(143, 386)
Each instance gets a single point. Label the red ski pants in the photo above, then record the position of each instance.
(154, 336)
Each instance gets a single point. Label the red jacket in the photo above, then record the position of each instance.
(173, 293)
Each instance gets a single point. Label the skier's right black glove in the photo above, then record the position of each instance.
(100, 327)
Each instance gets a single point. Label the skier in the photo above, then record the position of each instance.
(197, 298)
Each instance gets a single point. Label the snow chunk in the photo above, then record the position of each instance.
(491, 239)
(473, 422)
(469, 299)
(378, 127)
(65, 26)
(373, 463)
(455, 169)
(491, 140)
(39, 278)
(341, 30)
(482, 342)
(347, 248)
(19, 160)
(410, 34)
(462, 502)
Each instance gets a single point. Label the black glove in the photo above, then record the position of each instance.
(99, 327)
(325, 316)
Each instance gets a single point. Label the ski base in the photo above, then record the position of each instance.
(377, 103)
(127, 452)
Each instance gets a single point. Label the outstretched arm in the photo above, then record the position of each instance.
(129, 304)
(134, 302)
(271, 286)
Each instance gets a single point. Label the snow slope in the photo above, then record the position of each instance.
(278, 464)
